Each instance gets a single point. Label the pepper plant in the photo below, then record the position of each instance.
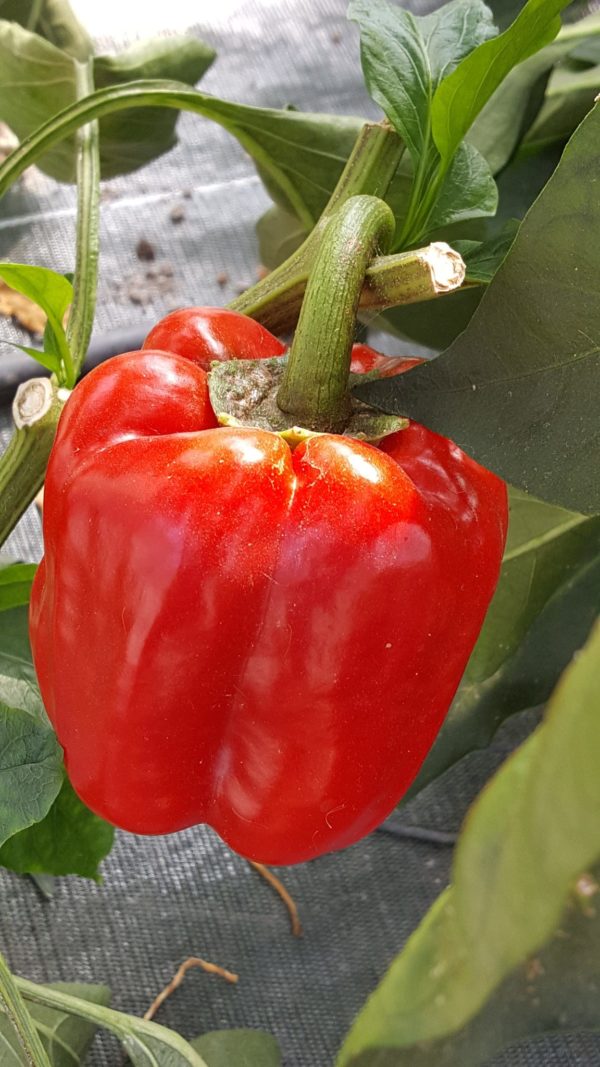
(461, 219)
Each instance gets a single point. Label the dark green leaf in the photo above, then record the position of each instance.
(396, 69)
(462, 95)
(518, 391)
(15, 584)
(65, 1037)
(69, 840)
(15, 651)
(238, 1048)
(484, 257)
(53, 293)
(527, 838)
(31, 772)
(469, 190)
(131, 140)
(405, 58)
(547, 600)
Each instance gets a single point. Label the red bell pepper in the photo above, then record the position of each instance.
(226, 631)
(205, 334)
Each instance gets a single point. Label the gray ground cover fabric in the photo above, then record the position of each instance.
(164, 899)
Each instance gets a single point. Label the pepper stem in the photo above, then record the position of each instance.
(315, 383)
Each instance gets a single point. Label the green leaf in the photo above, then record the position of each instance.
(69, 840)
(518, 391)
(462, 95)
(238, 1048)
(483, 258)
(53, 293)
(469, 190)
(65, 1037)
(547, 600)
(31, 772)
(37, 79)
(45, 359)
(554, 992)
(15, 650)
(45, 79)
(499, 127)
(405, 58)
(279, 234)
(569, 96)
(130, 141)
(56, 22)
(15, 584)
(527, 838)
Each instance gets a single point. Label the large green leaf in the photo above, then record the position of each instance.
(462, 95)
(238, 1048)
(15, 584)
(547, 600)
(554, 992)
(37, 80)
(31, 772)
(526, 840)
(518, 389)
(65, 1037)
(69, 840)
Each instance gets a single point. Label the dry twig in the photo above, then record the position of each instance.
(192, 961)
(283, 893)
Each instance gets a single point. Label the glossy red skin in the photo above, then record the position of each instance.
(365, 359)
(228, 632)
(204, 334)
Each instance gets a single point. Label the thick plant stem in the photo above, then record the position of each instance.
(13, 1004)
(275, 301)
(315, 382)
(410, 277)
(85, 283)
(36, 410)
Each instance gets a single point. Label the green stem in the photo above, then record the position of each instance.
(23, 464)
(16, 1010)
(36, 411)
(85, 283)
(275, 301)
(315, 383)
(410, 277)
(34, 15)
